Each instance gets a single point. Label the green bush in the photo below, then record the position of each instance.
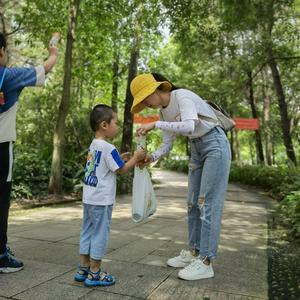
(31, 174)
(32, 170)
(180, 165)
(289, 213)
(278, 181)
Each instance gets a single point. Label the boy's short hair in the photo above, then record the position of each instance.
(2, 41)
(100, 113)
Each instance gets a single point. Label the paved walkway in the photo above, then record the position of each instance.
(46, 239)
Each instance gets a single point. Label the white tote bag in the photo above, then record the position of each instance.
(143, 197)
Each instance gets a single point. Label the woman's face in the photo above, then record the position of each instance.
(153, 101)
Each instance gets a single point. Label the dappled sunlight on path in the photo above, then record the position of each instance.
(47, 239)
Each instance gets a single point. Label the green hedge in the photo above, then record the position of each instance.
(32, 169)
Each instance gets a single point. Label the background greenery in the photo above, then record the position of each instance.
(243, 55)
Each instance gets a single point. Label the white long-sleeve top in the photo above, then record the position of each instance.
(181, 117)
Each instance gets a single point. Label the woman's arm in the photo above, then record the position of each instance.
(185, 127)
(166, 146)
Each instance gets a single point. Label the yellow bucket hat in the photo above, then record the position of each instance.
(144, 85)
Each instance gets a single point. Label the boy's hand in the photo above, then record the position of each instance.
(126, 156)
(139, 154)
(145, 162)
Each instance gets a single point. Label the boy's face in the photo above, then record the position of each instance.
(3, 57)
(112, 128)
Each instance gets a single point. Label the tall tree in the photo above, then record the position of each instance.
(258, 140)
(55, 183)
(285, 119)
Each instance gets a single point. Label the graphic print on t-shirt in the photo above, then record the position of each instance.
(93, 161)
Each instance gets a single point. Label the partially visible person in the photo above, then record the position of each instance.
(12, 82)
(180, 113)
(99, 193)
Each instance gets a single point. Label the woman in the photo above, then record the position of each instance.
(180, 113)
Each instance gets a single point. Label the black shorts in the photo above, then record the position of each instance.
(6, 162)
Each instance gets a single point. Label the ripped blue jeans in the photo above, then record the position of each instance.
(208, 178)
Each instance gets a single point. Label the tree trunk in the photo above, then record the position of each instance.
(128, 120)
(285, 121)
(237, 145)
(115, 77)
(55, 183)
(231, 145)
(266, 108)
(258, 142)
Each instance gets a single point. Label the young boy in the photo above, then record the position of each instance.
(99, 192)
(12, 82)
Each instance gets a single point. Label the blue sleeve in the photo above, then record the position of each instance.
(114, 160)
(18, 78)
(14, 81)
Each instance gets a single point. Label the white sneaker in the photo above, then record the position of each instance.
(182, 260)
(196, 270)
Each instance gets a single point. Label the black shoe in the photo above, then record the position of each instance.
(9, 264)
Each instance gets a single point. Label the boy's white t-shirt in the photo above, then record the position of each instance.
(99, 186)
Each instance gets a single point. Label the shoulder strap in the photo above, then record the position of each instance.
(3, 75)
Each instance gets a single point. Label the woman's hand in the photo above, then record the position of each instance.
(144, 129)
(145, 162)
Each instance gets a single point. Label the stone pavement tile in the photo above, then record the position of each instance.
(132, 279)
(43, 251)
(96, 295)
(174, 233)
(244, 231)
(72, 240)
(236, 243)
(170, 210)
(50, 232)
(176, 289)
(247, 196)
(237, 281)
(117, 239)
(124, 223)
(170, 249)
(238, 218)
(154, 260)
(120, 238)
(136, 250)
(236, 187)
(243, 260)
(18, 227)
(226, 281)
(33, 274)
(53, 290)
(146, 228)
(163, 193)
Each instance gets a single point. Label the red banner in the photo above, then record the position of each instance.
(246, 124)
(145, 119)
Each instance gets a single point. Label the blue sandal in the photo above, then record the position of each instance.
(82, 274)
(99, 279)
